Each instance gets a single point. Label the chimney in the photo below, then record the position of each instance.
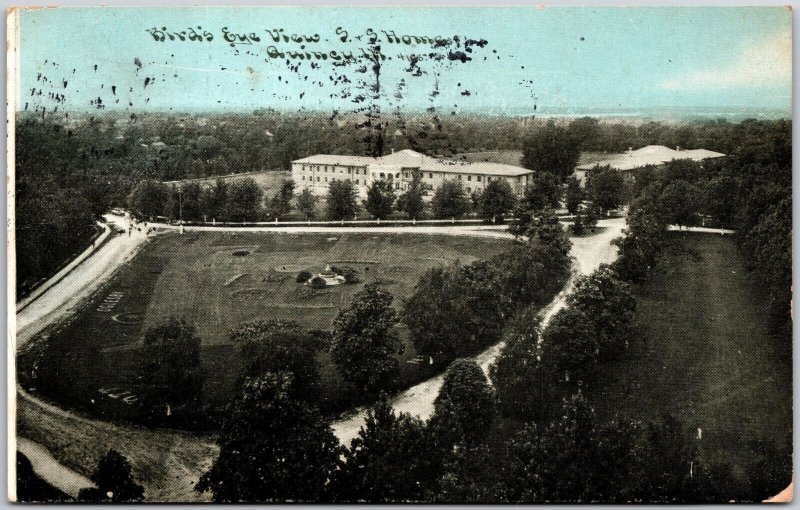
(392, 150)
(678, 148)
(630, 149)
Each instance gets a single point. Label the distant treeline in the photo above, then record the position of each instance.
(68, 172)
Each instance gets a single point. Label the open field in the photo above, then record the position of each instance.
(705, 355)
(218, 280)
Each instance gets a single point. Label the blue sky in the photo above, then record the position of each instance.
(561, 58)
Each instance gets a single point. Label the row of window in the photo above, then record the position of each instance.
(478, 178)
(303, 178)
(331, 169)
(355, 171)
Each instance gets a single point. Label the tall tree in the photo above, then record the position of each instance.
(307, 204)
(273, 447)
(411, 202)
(609, 303)
(532, 273)
(457, 310)
(544, 192)
(341, 200)
(679, 202)
(149, 198)
(569, 345)
(584, 132)
(380, 199)
(574, 194)
(244, 200)
(550, 148)
(546, 229)
(496, 200)
(450, 200)
(392, 460)
(516, 373)
(465, 406)
(605, 187)
(214, 201)
(365, 343)
(114, 479)
(281, 203)
(279, 345)
(171, 374)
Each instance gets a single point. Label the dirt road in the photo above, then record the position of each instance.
(587, 252)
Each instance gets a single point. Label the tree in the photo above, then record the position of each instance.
(546, 229)
(279, 345)
(380, 199)
(575, 458)
(281, 203)
(516, 373)
(569, 344)
(584, 132)
(574, 194)
(244, 200)
(478, 473)
(679, 202)
(114, 479)
(171, 375)
(719, 197)
(543, 192)
(609, 303)
(149, 198)
(184, 202)
(411, 202)
(639, 249)
(450, 200)
(465, 406)
(496, 200)
(307, 204)
(457, 310)
(532, 273)
(550, 148)
(273, 447)
(364, 340)
(605, 187)
(342, 200)
(392, 460)
(214, 201)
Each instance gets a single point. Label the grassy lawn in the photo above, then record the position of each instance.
(220, 280)
(705, 355)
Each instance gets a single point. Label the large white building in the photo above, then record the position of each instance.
(317, 172)
(651, 155)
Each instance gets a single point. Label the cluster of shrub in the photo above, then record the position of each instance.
(350, 275)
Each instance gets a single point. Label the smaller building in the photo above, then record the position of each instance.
(651, 155)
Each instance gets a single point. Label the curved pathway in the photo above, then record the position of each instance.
(587, 252)
(168, 462)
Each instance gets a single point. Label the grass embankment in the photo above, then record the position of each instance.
(704, 353)
(220, 280)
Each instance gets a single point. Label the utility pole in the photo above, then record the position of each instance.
(180, 209)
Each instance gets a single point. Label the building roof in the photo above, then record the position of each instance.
(650, 155)
(412, 159)
(334, 159)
